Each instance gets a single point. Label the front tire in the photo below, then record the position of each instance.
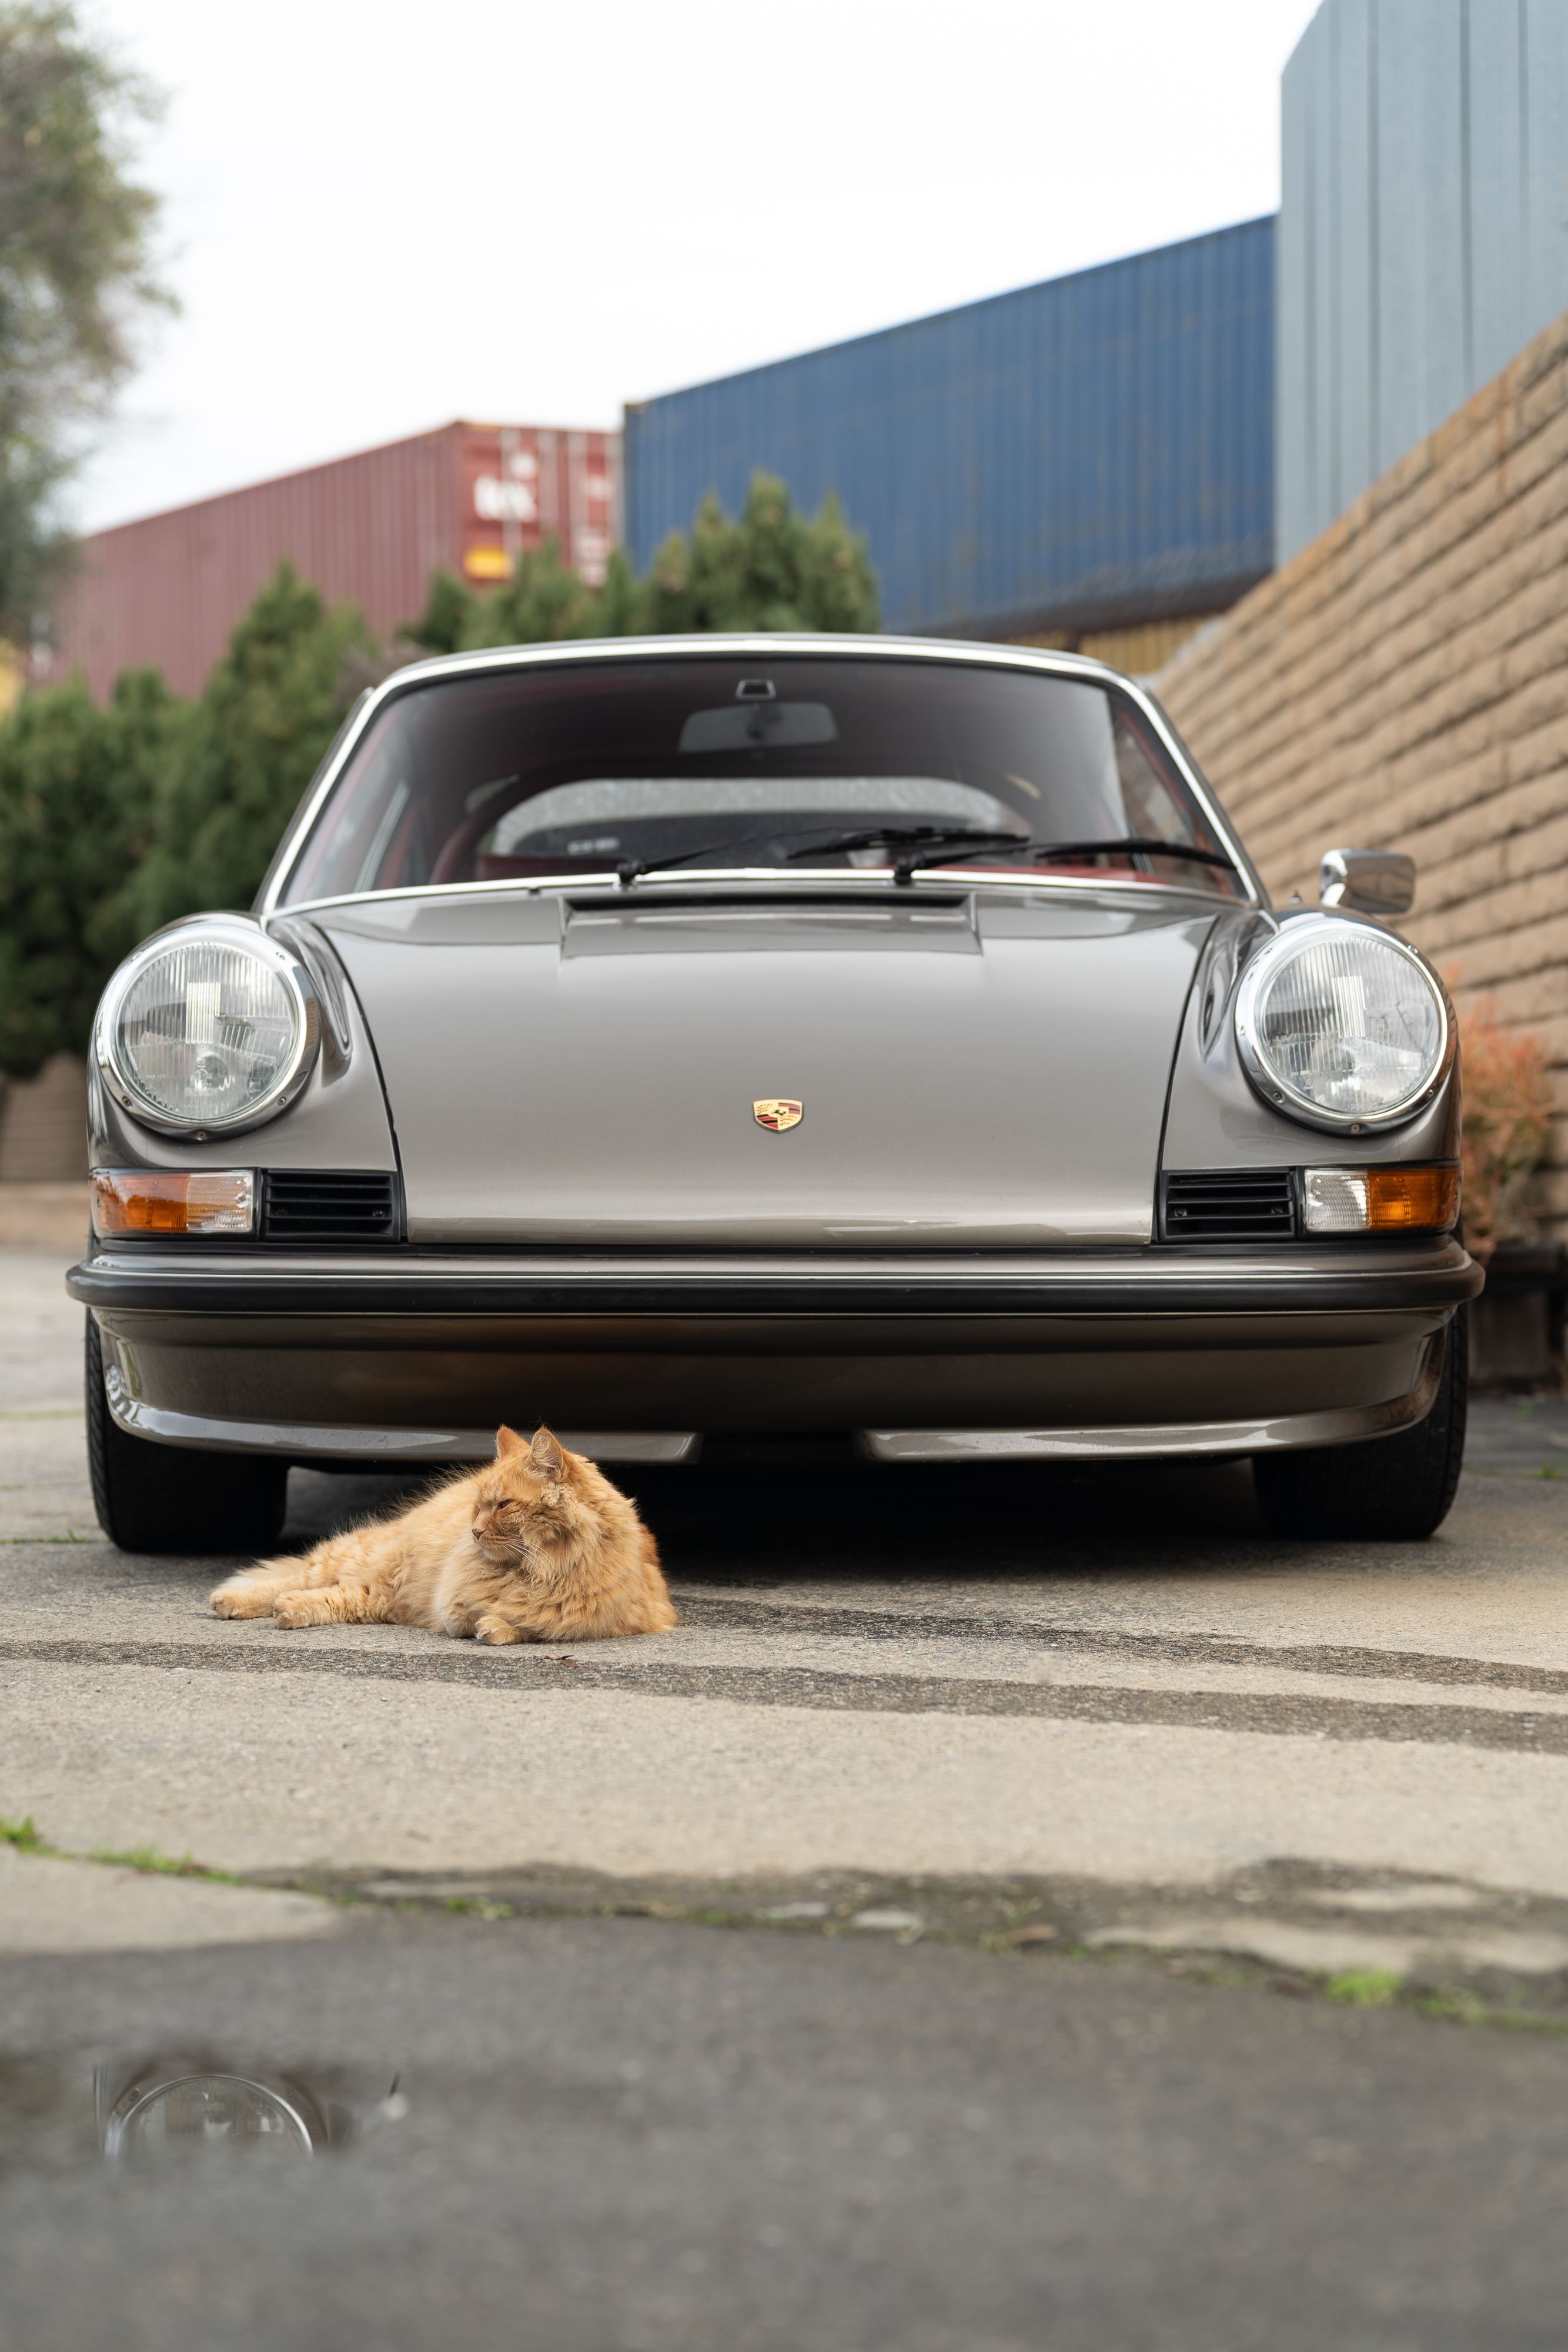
(170, 1498)
(1395, 1490)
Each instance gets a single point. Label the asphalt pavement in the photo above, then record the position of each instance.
(1013, 1906)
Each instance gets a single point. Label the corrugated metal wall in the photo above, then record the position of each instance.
(1423, 232)
(369, 529)
(1092, 450)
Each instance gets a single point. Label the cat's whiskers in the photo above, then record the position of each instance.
(493, 1537)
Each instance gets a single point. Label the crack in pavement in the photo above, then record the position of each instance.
(800, 1686)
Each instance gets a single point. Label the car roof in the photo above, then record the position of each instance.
(697, 645)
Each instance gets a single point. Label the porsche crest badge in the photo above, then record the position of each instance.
(776, 1114)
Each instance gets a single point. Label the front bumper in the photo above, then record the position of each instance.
(922, 1356)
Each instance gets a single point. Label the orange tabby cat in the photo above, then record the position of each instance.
(536, 1547)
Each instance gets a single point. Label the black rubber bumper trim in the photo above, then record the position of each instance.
(1184, 1289)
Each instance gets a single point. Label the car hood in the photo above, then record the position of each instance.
(973, 1070)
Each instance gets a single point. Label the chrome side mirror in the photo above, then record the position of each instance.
(1367, 881)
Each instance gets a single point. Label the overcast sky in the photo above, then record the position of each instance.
(379, 215)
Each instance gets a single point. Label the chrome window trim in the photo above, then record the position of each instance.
(1284, 1098)
(235, 931)
(872, 883)
(960, 652)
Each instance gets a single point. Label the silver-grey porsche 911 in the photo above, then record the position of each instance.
(848, 1039)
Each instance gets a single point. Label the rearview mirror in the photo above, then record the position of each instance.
(757, 726)
(1367, 881)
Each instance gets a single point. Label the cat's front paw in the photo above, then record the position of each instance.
(293, 1610)
(496, 1631)
(242, 1600)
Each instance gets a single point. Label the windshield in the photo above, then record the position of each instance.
(793, 759)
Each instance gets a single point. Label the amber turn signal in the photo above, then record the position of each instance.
(157, 1201)
(1380, 1200)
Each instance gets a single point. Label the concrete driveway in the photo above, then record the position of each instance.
(1114, 1676)
(971, 1758)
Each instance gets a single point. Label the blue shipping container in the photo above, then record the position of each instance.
(1095, 450)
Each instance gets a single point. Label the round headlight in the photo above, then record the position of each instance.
(204, 2112)
(1342, 1027)
(208, 1030)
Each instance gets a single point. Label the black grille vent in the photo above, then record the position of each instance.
(1232, 1205)
(333, 1206)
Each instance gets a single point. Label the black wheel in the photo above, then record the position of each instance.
(1398, 1488)
(170, 1498)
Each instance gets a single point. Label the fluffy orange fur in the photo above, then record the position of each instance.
(536, 1547)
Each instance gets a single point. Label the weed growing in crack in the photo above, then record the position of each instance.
(147, 1858)
(1365, 1988)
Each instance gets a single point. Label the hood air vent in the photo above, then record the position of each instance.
(1250, 1204)
(333, 1206)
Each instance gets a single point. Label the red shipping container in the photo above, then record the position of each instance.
(368, 529)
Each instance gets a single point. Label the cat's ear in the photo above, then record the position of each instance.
(548, 1455)
(509, 1442)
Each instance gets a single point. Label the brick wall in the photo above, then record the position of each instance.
(1403, 683)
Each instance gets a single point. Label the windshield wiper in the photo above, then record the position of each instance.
(940, 846)
(1037, 853)
(870, 838)
(879, 836)
(632, 869)
(1148, 842)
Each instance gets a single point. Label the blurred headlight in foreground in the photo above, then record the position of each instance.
(204, 2111)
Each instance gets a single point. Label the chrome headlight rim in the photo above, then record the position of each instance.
(290, 1081)
(135, 2105)
(1292, 938)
